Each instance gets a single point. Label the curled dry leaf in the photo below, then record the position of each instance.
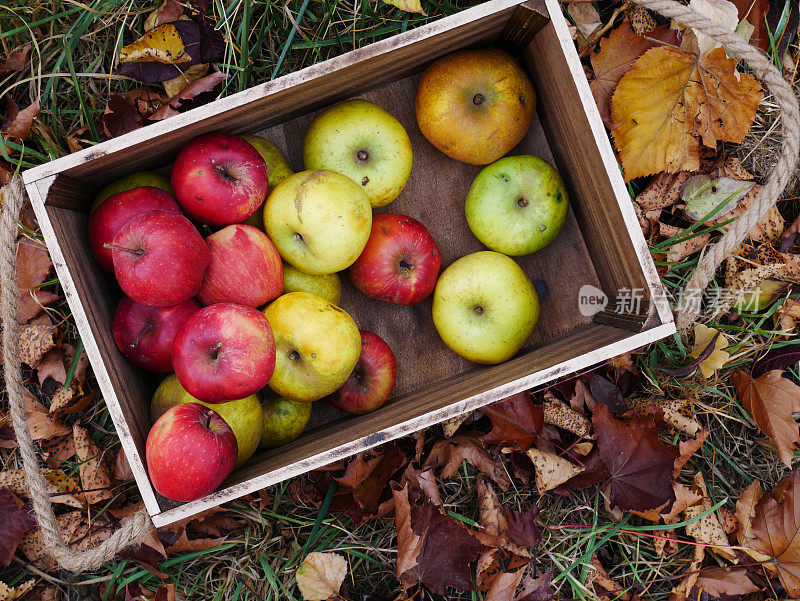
(449, 454)
(451, 426)
(551, 470)
(33, 269)
(703, 337)
(707, 529)
(684, 245)
(563, 416)
(188, 92)
(16, 518)
(722, 12)
(321, 575)
(771, 399)
(16, 60)
(42, 425)
(17, 592)
(608, 585)
(775, 534)
(19, 122)
(587, 21)
(35, 341)
(669, 409)
(724, 582)
(746, 510)
(640, 465)
(410, 6)
(71, 399)
(63, 489)
(503, 527)
(95, 476)
(671, 100)
(516, 420)
(787, 317)
(169, 10)
(769, 228)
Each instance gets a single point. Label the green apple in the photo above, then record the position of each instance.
(760, 297)
(244, 416)
(317, 345)
(320, 220)
(278, 169)
(517, 205)
(327, 286)
(284, 420)
(130, 181)
(485, 307)
(366, 143)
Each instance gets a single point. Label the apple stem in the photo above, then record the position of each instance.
(136, 251)
(215, 350)
(149, 327)
(293, 356)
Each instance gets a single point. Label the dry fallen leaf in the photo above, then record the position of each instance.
(95, 476)
(410, 6)
(708, 528)
(167, 11)
(587, 21)
(563, 416)
(33, 269)
(16, 60)
(17, 592)
(671, 100)
(163, 44)
(683, 247)
(63, 488)
(724, 582)
(671, 410)
(746, 510)
(787, 317)
(449, 454)
(771, 399)
(16, 518)
(551, 470)
(320, 575)
(35, 341)
(722, 12)
(703, 335)
(19, 122)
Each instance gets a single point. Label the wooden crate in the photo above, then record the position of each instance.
(601, 244)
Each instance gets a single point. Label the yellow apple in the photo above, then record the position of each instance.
(320, 220)
(475, 105)
(317, 346)
(130, 181)
(366, 143)
(244, 416)
(327, 286)
(278, 169)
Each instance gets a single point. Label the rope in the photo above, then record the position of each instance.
(13, 194)
(12, 197)
(689, 304)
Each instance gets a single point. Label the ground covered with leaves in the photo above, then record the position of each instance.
(664, 474)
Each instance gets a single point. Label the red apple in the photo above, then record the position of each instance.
(219, 179)
(118, 210)
(159, 258)
(245, 268)
(190, 451)
(224, 352)
(372, 380)
(400, 262)
(145, 334)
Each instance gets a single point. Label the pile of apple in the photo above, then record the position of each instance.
(229, 267)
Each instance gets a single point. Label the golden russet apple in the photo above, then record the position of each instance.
(244, 416)
(320, 220)
(366, 143)
(475, 105)
(317, 346)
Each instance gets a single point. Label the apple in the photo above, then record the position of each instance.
(245, 268)
(327, 286)
(219, 179)
(244, 416)
(278, 169)
(159, 258)
(319, 220)
(224, 352)
(366, 143)
(317, 346)
(145, 334)
(372, 380)
(485, 307)
(190, 450)
(132, 180)
(284, 420)
(475, 105)
(119, 209)
(517, 205)
(400, 262)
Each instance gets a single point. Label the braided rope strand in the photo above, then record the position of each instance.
(12, 197)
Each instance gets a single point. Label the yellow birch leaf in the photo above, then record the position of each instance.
(161, 45)
(410, 6)
(320, 576)
(703, 335)
(671, 100)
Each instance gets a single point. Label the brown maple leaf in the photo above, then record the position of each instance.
(449, 454)
(516, 420)
(16, 518)
(717, 582)
(432, 547)
(776, 532)
(33, 268)
(771, 399)
(640, 465)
